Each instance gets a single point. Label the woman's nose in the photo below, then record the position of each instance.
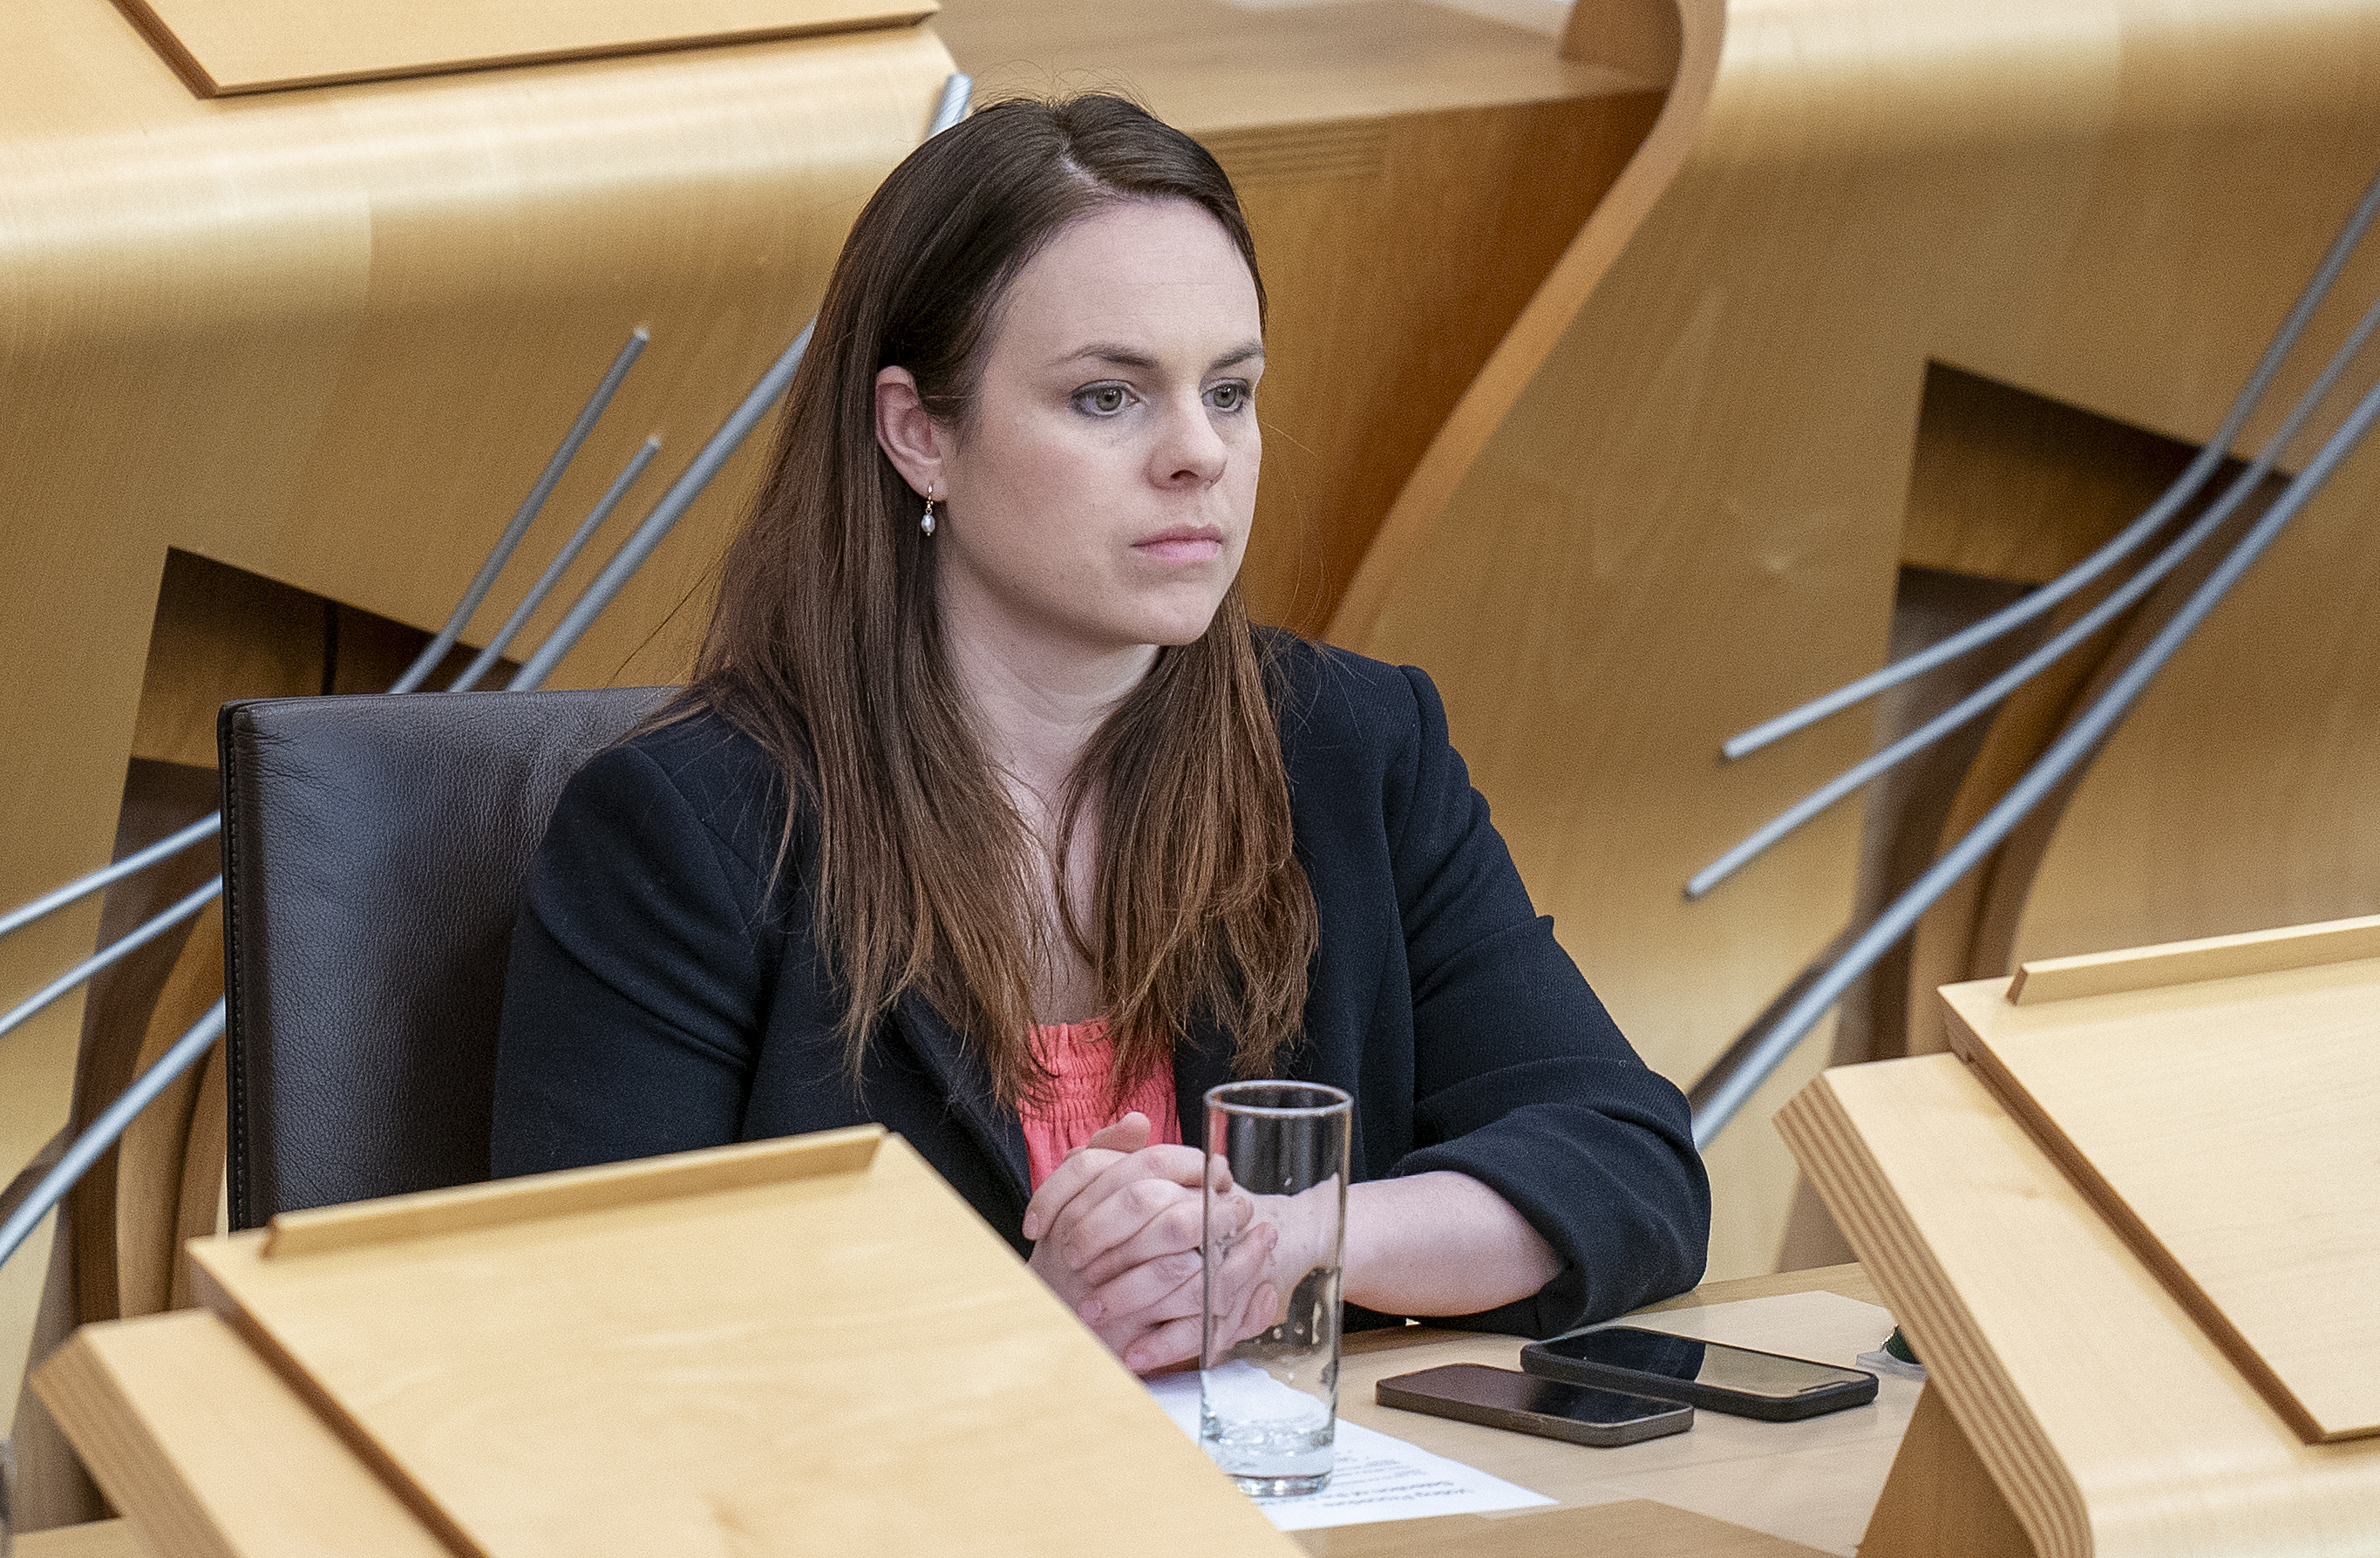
(1191, 452)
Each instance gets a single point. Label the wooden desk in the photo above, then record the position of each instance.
(1637, 1526)
(1813, 1459)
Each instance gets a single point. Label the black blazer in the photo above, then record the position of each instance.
(659, 1000)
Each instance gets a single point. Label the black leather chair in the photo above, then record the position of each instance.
(374, 850)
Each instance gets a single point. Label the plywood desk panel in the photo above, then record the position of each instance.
(210, 1452)
(226, 46)
(2111, 1422)
(782, 1356)
(2231, 1127)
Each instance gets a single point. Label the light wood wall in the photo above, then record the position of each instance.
(1411, 173)
(1675, 500)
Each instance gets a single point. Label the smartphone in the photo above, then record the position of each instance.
(1732, 1380)
(1504, 1398)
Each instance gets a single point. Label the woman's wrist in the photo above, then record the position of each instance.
(1439, 1244)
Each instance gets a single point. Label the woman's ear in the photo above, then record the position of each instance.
(906, 433)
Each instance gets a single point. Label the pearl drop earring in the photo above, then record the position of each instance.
(926, 521)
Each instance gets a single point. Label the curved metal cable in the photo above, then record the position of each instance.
(139, 860)
(435, 651)
(2124, 543)
(2119, 601)
(1725, 1095)
(102, 1134)
(115, 952)
(561, 560)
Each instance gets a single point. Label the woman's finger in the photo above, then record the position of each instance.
(1262, 1311)
(1224, 1218)
(1121, 1198)
(1127, 1135)
(1084, 1166)
(1173, 1286)
(1148, 1295)
(1066, 1182)
(1243, 1290)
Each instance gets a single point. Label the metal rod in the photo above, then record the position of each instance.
(562, 561)
(139, 860)
(498, 555)
(665, 514)
(952, 105)
(2124, 543)
(93, 1143)
(1730, 1094)
(957, 91)
(115, 952)
(1736, 1053)
(2119, 601)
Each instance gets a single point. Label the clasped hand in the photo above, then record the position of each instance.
(1116, 1232)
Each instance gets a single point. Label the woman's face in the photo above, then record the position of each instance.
(1098, 495)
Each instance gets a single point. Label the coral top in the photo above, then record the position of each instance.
(1076, 1055)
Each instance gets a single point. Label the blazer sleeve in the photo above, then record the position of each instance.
(1522, 1080)
(637, 977)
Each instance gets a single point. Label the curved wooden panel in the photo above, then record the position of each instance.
(1411, 172)
(1672, 503)
(330, 337)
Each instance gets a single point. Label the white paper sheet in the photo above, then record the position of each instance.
(1373, 1477)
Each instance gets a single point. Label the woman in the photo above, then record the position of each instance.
(989, 817)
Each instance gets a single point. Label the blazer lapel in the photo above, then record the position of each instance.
(968, 1084)
(1201, 1061)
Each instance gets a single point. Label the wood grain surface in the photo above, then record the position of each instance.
(226, 46)
(1674, 500)
(2212, 957)
(1410, 171)
(207, 1449)
(1939, 1501)
(2225, 1127)
(392, 1220)
(1813, 1481)
(210, 1452)
(1640, 1527)
(841, 1362)
(2108, 1417)
(101, 1539)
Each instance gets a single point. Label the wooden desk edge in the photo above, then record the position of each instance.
(1850, 1280)
(114, 1539)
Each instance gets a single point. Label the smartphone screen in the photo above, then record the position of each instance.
(1715, 1364)
(1478, 1386)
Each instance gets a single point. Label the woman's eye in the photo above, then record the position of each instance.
(1103, 400)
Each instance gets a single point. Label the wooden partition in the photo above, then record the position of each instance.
(1674, 502)
(1411, 172)
(2128, 1226)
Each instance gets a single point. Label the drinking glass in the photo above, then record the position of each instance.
(1268, 1402)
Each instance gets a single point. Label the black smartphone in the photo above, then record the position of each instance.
(1732, 1380)
(1473, 1393)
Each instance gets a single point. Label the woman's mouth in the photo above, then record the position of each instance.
(1183, 544)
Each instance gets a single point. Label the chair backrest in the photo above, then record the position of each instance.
(373, 852)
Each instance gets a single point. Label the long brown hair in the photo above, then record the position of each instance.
(826, 648)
